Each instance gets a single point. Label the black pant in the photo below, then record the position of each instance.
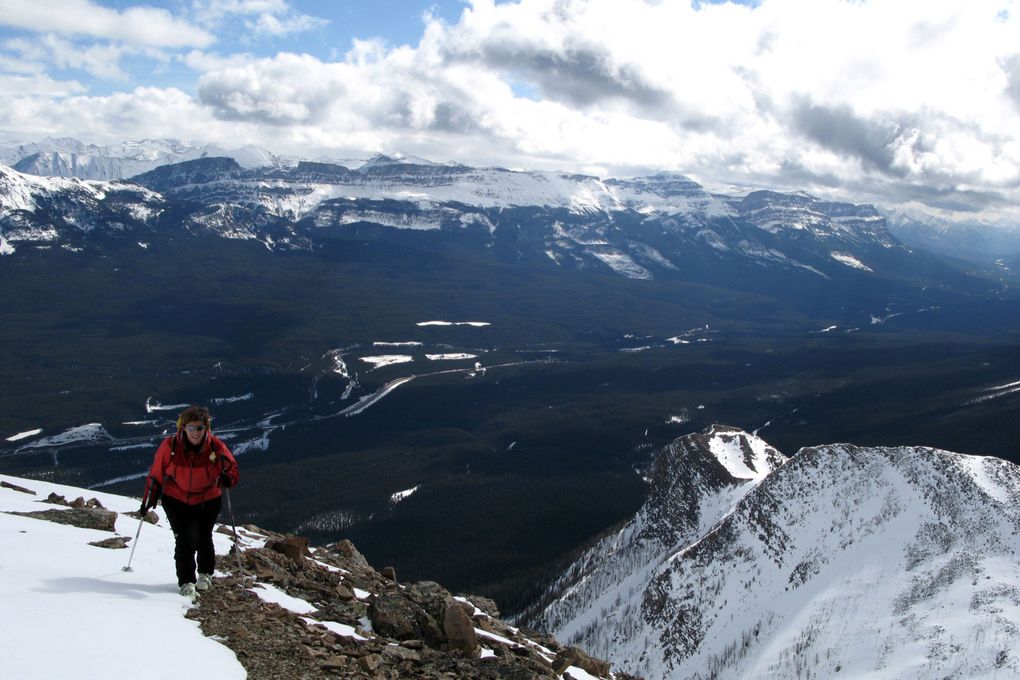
(192, 526)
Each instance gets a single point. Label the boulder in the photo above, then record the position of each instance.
(15, 487)
(572, 656)
(370, 663)
(459, 629)
(394, 616)
(294, 547)
(487, 605)
(347, 550)
(114, 543)
(83, 518)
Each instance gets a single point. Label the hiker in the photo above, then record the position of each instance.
(189, 471)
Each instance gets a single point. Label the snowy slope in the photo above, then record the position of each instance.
(46, 210)
(69, 611)
(868, 562)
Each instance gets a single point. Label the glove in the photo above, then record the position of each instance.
(224, 481)
(151, 498)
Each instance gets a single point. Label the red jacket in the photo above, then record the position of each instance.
(189, 476)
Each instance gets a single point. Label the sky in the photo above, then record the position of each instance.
(902, 103)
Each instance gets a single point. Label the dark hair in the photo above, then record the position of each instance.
(193, 413)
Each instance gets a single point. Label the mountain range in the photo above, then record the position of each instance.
(662, 226)
(972, 240)
(840, 561)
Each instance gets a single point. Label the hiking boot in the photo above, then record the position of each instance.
(188, 591)
(204, 582)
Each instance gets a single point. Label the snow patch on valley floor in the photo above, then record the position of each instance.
(476, 324)
(24, 435)
(92, 432)
(387, 360)
(151, 406)
(230, 400)
(995, 393)
(401, 495)
(450, 357)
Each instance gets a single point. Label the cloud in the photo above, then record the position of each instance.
(840, 130)
(144, 26)
(101, 60)
(261, 17)
(1011, 65)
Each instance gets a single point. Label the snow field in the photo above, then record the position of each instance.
(70, 611)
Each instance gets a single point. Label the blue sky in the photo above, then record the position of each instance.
(910, 103)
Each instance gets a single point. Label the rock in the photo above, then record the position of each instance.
(84, 518)
(151, 516)
(572, 656)
(389, 573)
(294, 547)
(485, 604)
(347, 550)
(15, 487)
(459, 629)
(56, 499)
(335, 663)
(344, 593)
(115, 543)
(397, 654)
(370, 663)
(394, 616)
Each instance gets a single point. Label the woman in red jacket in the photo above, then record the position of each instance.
(189, 471)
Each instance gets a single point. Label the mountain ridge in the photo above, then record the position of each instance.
(664, 225)
(897, 560)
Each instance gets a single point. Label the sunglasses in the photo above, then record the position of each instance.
(195, 428)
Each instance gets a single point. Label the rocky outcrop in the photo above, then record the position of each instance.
(80, 513)
(365, 624)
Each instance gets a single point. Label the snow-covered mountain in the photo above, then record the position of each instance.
(55, 211)
(841, 561)
(663, 226)
(71, 610)
(68, 157)
(972, 240)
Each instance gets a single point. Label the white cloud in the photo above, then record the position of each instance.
(146, 26)
(17, 88)
(101, 60)
(262, 17)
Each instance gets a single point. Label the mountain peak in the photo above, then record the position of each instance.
(852, 560)
(745, 456)
(396, 158)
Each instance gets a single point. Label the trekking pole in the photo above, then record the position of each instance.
(237, 544)
(135, 544)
